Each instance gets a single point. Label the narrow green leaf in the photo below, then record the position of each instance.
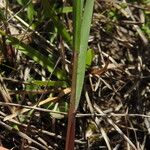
(22, 2)
(2, 33)
(44, 61)
(61, 28)
(85, 29)
(37, 57)
(78, 8)
(89, 57)
(64, 10)
(49, 83)
(59, 107)
(30, 12)
(82, 23)
(2, 17)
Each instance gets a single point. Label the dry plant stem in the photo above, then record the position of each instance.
(24, 136)
(51, 134)
(141, 34)
(135, 135)
(78, 115)
(97, 121)
(42, 102)
(32, 107)
(89, 102)
(110, 121)
(26, 92)
(106, 138)
(5, 94)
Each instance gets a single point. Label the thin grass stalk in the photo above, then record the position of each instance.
(82, 22)
(71, 116)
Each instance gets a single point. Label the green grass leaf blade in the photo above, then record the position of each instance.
(50, 83)
(82, 23)
(78, 8)
(64, 10)
(85, 29)
(89, 57)
(61, 28)
(36, 56)
(30, 12)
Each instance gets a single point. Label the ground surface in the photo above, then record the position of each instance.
(114, 108)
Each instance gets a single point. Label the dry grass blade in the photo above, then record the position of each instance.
(89, 102)
(141, 34)
(23, 135)
(5, 94)
(110, 121)
(42, 102)
(107, 140)
(104, 134)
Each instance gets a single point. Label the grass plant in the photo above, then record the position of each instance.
(82, 18)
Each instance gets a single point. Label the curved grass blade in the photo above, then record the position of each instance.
(36, 56)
